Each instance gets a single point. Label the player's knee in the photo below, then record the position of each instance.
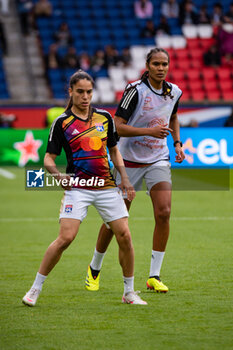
(125, 240)
(163, 214)
(65, 240)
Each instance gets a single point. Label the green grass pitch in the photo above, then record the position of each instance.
(195, 314)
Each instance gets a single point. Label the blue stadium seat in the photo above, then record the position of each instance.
(43, 22)
(54, 74)
(84, 13)
(46, 33)
(176, 31)
(103, 33)
(46, 42)
(101, 73)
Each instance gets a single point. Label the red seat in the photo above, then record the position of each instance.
(193, 44)
(206, 43)
(170, 53)
(225, 84)
(198, 95)
(227, 95)
(118, 95)
(183, 85)
(169, 77)
(210, 84)
(197, 64)
(196, 54)
(185, 96)
(223, 72)
(193, 74)
(209, 73)
(183, 63)
(195, 85)
(178, 75)
(172, 64)
(181, 53)
(213, 95)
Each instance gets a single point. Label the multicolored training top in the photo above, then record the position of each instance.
(85, 144)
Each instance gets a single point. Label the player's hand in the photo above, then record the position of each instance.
(127, 188)
(180, 156)
(160, 131)
(65, 182)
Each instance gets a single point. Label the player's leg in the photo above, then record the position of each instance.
(158, 180)
(73, 210)
(103, 241)
(161, 200)
(67, 233)
(106, 234)
(126, 258)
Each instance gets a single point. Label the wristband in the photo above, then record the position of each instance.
(175, 143)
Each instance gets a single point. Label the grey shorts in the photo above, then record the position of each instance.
(152, 174)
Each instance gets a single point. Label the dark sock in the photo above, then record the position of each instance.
(94, 273)
(156, 277)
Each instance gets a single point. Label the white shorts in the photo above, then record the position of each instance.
(109, 204)
(152, 174)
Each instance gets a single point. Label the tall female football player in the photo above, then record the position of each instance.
(147, 113)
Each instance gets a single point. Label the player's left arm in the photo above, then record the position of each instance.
(175, 126)
(118, 162)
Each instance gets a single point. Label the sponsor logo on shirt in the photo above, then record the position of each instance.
(75, 132)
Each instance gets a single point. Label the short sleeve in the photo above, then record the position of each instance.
(127, 104)
(112, 140)
(175, 109)
(56, 138)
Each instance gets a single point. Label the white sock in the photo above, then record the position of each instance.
(97, 260)
(39, 280)
(156, 262)
(128, 284)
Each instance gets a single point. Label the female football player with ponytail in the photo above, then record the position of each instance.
(147, 113)
(85, 133)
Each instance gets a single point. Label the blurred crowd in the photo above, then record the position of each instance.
(102, 59)
(62, 53)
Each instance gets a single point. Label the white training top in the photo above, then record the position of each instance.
(143, 107)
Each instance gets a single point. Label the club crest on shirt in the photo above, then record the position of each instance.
(147, 104)
(68, 208)
(99, 126)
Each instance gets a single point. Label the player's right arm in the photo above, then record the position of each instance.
(50, 165)
(54, 147)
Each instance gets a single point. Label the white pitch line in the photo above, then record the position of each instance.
(7, 174)
(178, 218)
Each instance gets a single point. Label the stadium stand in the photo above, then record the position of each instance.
(94, 24)
(3, 86)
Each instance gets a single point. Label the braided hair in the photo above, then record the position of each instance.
(80, 75)
(166, 88)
